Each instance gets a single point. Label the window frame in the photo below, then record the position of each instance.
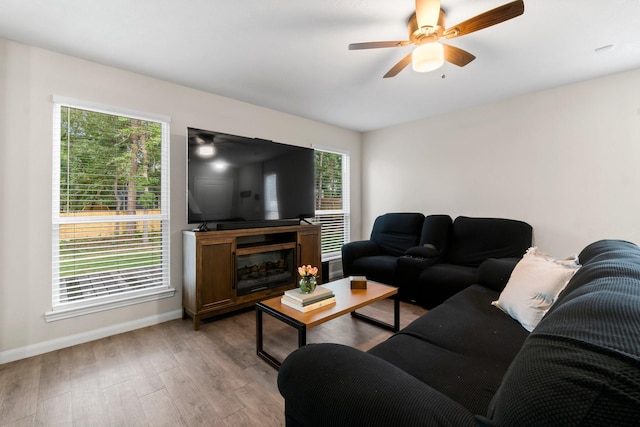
(65, 310)
(346, 203)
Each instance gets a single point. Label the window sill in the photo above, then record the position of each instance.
(95, 307)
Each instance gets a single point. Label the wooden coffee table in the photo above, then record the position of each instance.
(347, 301)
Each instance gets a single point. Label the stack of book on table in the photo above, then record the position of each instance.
(320, 297)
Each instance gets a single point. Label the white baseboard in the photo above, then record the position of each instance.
(68, 341)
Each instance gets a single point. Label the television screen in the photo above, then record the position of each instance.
(235, 179)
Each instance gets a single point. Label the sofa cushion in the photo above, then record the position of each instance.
(397, 232)
(601, 250)
(554, 382)
(435, 232)
(474, 240)
(438, 282)
(494, 273)
(428, 350)
(601, 305)
(534, 285)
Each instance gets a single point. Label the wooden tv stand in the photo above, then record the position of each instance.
(210, 277)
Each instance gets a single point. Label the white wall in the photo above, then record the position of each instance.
(566, 160)
(28, 79)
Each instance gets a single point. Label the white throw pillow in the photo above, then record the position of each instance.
(534, 285)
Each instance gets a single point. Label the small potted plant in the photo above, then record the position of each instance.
(308, 280)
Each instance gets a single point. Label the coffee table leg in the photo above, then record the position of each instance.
(302, 336)
(396, 313)
(264, 355)
(396, 317)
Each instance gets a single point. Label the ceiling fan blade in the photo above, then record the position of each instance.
(401, 65)
(427, 12)
(457, 56)
(486, 19)
(376, 45)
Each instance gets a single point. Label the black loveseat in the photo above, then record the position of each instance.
(468, 363)
(432, 257)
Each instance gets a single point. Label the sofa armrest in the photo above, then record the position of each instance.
(332, 384)
(494, 273)
(424, 251)
(353, 250)
(411, 264)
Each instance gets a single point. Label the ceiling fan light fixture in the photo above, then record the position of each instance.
(206, 150)
(427, 57)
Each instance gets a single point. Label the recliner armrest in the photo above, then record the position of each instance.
(424, 251)
(337, 385)
(409, 270)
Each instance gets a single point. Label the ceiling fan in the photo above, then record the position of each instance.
(427, 26)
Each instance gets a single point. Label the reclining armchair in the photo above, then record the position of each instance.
(376, 258)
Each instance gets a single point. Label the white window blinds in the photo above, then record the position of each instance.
(110, 220)
(332, 200)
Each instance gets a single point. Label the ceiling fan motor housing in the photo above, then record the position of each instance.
(427, 33)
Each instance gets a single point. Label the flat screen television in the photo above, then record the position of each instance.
(240, 182)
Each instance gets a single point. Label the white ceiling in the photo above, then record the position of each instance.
(292, 56)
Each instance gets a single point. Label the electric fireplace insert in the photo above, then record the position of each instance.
(264, 270)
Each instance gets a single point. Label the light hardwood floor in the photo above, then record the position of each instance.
(171, 375)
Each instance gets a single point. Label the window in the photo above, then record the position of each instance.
(332, 200)
(110, 219)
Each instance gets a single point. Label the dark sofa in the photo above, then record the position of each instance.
(433, 257)
(468, 363)
(470, 242)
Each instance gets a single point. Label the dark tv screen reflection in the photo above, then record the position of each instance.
(238, 179)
